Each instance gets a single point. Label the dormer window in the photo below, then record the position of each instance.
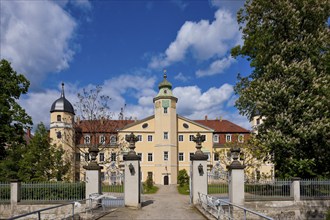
(102, 139)
(59, 118)
(87, 139)
(113, 140)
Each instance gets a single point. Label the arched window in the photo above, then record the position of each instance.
(59, 118)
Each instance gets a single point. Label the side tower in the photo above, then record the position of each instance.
(61, 129)
(166, 149)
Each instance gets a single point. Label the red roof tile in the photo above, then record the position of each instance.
(222, 126)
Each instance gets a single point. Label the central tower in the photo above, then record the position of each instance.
(166, 149)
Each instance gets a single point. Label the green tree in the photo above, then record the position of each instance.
(41, 161)
(287, 44)
(13, 120)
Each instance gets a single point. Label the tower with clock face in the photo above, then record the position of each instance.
(166, 149)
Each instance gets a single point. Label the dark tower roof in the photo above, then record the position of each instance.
(62, 104)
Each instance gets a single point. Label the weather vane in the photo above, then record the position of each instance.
(165, 76)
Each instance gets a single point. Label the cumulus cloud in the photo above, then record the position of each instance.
(216, 67)
(35, 37)
(204, 40)
(181, 77)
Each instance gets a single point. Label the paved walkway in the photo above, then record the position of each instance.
(167, 203)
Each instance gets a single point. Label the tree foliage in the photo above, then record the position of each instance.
(13, 118)
(42, 161)
(287, 44)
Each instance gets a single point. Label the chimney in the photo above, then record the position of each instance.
(78, 120)
(205, 117)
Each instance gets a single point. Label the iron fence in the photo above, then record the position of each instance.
(217, 185)
(114, 186)
(4, 191)
(314, 188)
(268, 190)
(52, 191)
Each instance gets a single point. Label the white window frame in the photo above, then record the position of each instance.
(113, 139)
(165, 135)
(238, 138)
(228, 138)
(165, 156)
(115, 158)
(191, 137)
(139, 136)
(100, 139)
(150, 138)
(181, 135)
(152, 157)
(215, 138)
(101, 157)
(190, 154)
(181, 153)
(87, 139)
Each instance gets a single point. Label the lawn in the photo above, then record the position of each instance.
(184, 190)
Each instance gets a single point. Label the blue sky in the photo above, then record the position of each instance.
(124, 47)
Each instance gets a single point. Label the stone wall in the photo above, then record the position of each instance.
(6, 210)
(287, 210)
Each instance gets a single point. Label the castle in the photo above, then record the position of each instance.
(165, 139)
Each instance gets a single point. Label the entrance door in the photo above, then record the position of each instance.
(165, 180)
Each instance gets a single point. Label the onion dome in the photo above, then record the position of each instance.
(62, 104)
(165, 83)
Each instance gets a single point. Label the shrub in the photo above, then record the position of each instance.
(183, 178)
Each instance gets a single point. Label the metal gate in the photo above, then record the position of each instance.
(113, 185)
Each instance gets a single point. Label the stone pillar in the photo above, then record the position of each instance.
(132, 185)
(295, 189)
(236, 179)
(93, 174)
(199, 170)
(15, 194)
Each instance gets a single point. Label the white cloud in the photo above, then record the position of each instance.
(203, 39)
(217, 67)
(182, 77)
(35, 37)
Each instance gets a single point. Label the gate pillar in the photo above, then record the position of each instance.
(236, 179)
(198, 177)
(132, 186)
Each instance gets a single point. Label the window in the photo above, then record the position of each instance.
(58, 134)
(102, 139)
(102, 176)
(191, 154)
(181, 156)
(241, 138)
(149, 138)
(228, 137)
(216, 138)
(149, 156)
(216, 156)
(165, 110)
(87, 139)
(165, 155)
(203, 137)
(191, 137)
(149, 175)
(139, 137)
(165, 135)
(140, 155)
(77, 157)
(113, 140)
(208, 156)
(86, 156)
(59, 118)
(101, 156)
(180, 137)
(113, 156)
(258, 121)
